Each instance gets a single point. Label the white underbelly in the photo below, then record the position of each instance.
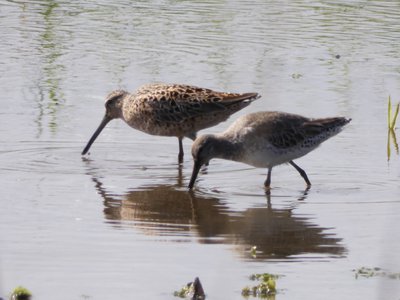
(270, 156)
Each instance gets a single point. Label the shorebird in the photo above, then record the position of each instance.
(171, 110)
(265, 140)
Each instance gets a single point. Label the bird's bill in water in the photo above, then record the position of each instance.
(103, 124)
(196, 168)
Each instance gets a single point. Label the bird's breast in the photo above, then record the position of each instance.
(147, 120)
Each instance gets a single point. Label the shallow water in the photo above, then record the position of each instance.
(119, 223)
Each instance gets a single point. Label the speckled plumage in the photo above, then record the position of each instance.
(265, 140)
(171, 109)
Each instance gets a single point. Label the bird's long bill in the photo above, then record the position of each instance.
(103, 124)
(196, 169)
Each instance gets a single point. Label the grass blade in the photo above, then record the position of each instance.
(388, 145)
(396, 113)
(389, 112)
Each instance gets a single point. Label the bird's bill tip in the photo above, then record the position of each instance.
(103, 124)
(196, 168)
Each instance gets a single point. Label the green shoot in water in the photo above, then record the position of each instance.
(392, 121)
(266, 288)
(391, 127)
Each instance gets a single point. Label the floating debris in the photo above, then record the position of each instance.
(193, 290)
(374, 272)
(296, 76)
(253, 251)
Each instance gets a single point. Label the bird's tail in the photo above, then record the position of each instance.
(325, 125)
(238, 101)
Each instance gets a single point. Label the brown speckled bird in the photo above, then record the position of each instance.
(171, 110)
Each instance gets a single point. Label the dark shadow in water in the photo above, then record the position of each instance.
(170, 210)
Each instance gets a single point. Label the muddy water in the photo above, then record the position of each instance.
(119, 222)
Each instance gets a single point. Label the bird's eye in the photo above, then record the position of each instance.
(111, 102)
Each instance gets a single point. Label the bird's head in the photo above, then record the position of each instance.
(113, 105)
(203, 150)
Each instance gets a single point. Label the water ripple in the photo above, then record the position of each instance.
(40, 157)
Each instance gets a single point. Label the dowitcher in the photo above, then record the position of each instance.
(265, 140)
(171, 110)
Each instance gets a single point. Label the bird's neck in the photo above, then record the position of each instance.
(226, 149)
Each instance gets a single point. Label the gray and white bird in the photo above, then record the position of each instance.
(265, 140)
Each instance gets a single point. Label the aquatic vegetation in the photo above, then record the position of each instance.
(392, 121)
(392, 138)
(265, 289)
(192, 290)
(21, 293)
(391, 127)
(184, 292)
(367, 272)
(253, 252)
(297, 75)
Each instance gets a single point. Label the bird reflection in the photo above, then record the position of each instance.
(170, 210)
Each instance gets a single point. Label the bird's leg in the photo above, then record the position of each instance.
(302, 173)
(180, 155)
(267, 182)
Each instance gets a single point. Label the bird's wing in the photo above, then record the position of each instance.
(282, 130)
(295, 132)
(185, 102)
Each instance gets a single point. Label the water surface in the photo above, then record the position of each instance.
(119, 223)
